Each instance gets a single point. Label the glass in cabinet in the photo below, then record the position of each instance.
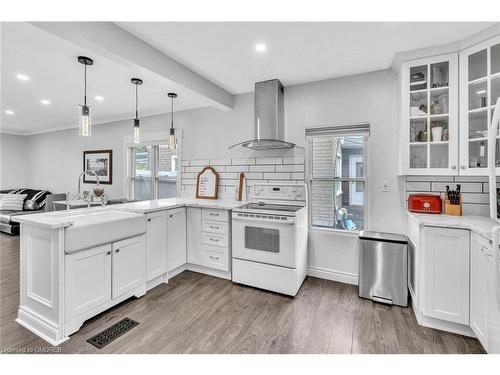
(429, 115)
(480, 83)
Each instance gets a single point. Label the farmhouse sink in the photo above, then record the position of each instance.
(97, 228)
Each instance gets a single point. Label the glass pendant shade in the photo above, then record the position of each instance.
(137, 131)
(84, 123)
(172, 142)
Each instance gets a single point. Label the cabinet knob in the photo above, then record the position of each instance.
(108, 252)
(117, 250)
(149, 220)
(171, 215)
(462, 167)
(212, 257)
(453, 167)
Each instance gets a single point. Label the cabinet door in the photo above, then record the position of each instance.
(429, 115)
(446, 274)
(129, 265)
(156, 244)
(480, 88)
(176, 237)
(193, 235)
(480, 251)
(87, 280)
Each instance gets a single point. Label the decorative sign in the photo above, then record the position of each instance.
(207, 184)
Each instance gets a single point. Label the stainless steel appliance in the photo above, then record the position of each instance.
(270, 238)
(383, 267)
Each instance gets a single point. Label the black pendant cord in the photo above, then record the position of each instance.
(172, 109)
(85, 88)
(136, 103)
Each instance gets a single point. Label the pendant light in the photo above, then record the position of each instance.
(84, 123)
(172, 142)
(137, 132)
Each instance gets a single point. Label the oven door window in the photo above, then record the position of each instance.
(262, 239)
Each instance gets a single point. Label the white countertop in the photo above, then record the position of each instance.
(62, 219)
(481, 225)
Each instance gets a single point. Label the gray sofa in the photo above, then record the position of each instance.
(10, 227)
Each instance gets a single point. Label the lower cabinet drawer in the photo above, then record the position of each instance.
(214, 214)
(215, 257)
(214, 239)
(219, 227)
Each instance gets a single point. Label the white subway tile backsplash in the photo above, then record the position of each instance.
(189, 181)
(190, 175)
(243, 161)
(185, 163)
(290, 168)
(476, 198)
(476, 209)
(418, 186)
(226, 176)
(254, 175)
(228, 182)
(220, 161)
(277, 176)
(199, 162)
(237, 168)
(471, 178)
(275, 160)
(465, 187)
(430, 178)
(263, 168)
(293, 160)
(192, 169)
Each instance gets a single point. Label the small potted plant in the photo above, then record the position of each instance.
(98, 192)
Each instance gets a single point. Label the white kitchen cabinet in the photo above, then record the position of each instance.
(446, 274)
(87, 280)
(481, 260)
(176, 237)
(429, 116)
(193, 234)
(129, 265)
(156, 244)
(480, 88)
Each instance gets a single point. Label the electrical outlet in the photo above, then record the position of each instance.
(385, 186)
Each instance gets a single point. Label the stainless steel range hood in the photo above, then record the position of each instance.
(269, 118)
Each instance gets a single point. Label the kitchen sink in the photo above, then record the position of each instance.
(95, 228)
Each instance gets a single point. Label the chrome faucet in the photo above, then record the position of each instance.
(80, 178)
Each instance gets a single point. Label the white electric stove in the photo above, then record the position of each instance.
(270, 238)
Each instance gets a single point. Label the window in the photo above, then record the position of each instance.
(153, 172)
(336, 176)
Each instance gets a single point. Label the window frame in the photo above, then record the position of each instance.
(353, 130)
(155, 140)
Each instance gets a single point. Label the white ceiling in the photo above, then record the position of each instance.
(55, 74)
(221, 52)
(297, 52)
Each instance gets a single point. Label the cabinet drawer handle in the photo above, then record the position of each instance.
(213, 214)
(108, 252)
(117, 250)
(214, 239)
(149, 220)
(214, 227)
(212, 257)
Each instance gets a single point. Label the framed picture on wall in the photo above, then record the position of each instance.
(100, 162)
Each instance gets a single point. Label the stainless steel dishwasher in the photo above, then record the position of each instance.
(383, 267)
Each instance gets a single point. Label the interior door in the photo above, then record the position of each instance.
(129, 265)
(355, 187)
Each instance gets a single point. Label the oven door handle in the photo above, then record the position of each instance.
(259, 220)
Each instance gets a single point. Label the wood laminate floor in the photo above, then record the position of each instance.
(197, 313)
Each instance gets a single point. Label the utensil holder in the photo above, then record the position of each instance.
(452, 209)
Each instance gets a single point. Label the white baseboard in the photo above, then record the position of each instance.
(342, 277)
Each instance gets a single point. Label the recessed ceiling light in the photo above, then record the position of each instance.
(45, 101)
(99, 98)
(260, 47)
(23, 77)
(9, 112)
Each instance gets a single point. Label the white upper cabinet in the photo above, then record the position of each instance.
(429, 115)
(479, 88)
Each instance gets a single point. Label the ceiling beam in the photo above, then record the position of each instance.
(111, 41)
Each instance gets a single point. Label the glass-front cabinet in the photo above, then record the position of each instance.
(429, 115)
(479, 88)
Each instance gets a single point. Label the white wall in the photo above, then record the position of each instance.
(14, 154)
(56, 158)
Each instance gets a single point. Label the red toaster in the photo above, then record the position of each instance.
(425, 203)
